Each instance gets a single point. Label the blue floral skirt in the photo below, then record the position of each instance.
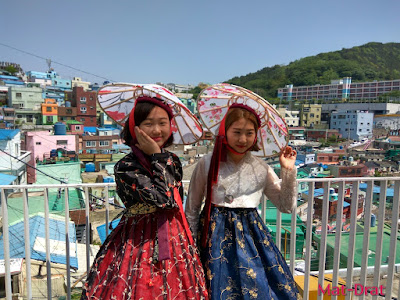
(241, 260)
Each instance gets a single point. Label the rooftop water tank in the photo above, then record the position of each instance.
(373, 220)
(60, 129)
(90, 167)
(351, 158)
(53, 153)
(67, 104)
(108, 179)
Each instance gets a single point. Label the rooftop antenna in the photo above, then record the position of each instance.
(48, 61)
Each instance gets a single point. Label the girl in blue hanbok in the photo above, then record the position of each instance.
(240, 258)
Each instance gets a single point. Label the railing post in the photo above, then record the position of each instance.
(322, 245)
(27, 247)
(107, 205)
(338, 236)
(393, 240)
(379, 239)
(47, 233)
(308, 246)
(6, 245)
(68, 259)
(352, 236)
(88, 229)
(293, 242)
(367, 224)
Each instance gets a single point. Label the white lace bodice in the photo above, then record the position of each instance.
(241, 185)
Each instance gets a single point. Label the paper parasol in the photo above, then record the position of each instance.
(214, 101)
(118, 99)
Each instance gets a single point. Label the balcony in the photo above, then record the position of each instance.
(363, 254)
(15, 165)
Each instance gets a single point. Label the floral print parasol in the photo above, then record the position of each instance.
(118, 99)
(214, 101)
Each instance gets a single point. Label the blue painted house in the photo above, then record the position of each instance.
(37, 240)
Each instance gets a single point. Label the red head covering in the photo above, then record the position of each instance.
(219, 154)
(155, 101)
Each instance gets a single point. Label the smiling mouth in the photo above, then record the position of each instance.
(157, 139)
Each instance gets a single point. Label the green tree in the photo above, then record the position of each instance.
(11, 69)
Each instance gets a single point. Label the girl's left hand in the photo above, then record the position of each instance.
(146, 143)
(287, 158)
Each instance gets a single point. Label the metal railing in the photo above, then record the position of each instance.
(348, 273)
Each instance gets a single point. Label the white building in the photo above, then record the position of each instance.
(291, 117)
(355, 125)
(389, 121)
(77, 81)
(12, 159)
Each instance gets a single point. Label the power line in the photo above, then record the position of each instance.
(61, 64)
(60, 180)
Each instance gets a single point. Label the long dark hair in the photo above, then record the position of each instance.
(142, 111)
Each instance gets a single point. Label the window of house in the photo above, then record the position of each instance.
(104, 143)
(90, 143)
(38, 143)
(69, 111)
(83, 99)
(48, 109)
(78, 127)
(83, 109)
(18, 95)
(62, 142)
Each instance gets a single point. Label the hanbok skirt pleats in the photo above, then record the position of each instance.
(126, 265)
(241, 260)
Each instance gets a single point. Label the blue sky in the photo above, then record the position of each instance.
(185, 42)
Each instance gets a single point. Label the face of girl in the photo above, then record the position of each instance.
(241, 135)
(157, 125)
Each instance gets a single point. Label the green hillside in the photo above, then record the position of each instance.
(372, 61)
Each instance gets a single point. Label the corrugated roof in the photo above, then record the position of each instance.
(344, 245)
(105, 129)
(89, 129)
(37, 240)
(6, 179)
(36, 200)
(8, 134)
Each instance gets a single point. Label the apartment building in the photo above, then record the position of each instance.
(339, 89)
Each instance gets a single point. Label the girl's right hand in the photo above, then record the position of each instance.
(146, 143)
